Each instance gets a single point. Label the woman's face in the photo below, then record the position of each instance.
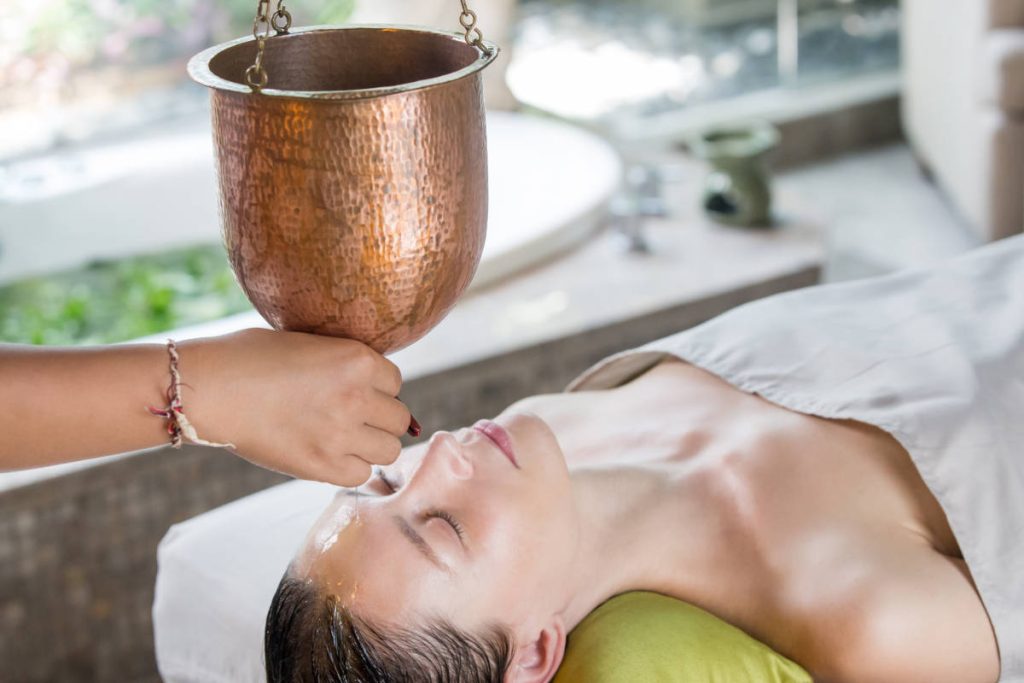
(467, 534)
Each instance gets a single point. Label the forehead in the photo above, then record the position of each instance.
(357, 553)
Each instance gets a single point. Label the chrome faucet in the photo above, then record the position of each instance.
(640, 198)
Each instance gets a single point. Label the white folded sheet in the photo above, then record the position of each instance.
(933, 356)
(216, 575)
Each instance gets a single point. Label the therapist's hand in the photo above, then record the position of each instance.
(310, 406)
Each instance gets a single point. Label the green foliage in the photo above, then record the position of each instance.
(335, 12)
(85, 34)
(112, 301)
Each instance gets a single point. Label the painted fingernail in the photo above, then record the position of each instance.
(414, 427)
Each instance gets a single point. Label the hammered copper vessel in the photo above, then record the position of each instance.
(353, 187)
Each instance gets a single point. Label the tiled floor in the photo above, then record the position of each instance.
(879, 213)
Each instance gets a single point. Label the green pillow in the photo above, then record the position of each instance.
(641, 636)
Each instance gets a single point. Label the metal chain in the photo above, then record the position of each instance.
(468, 20)
(256, 75)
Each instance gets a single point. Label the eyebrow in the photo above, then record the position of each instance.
(417, 540)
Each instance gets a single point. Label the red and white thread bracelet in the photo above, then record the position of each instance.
(178, 426)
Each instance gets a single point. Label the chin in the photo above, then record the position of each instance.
(542, 454)
(530, 424)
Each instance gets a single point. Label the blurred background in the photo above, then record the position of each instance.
(652, 163)
(100, 122)
(74, 72)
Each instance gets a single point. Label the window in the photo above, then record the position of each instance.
(589, 58)
(75, 70)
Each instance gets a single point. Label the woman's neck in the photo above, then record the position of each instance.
(640, 529)
(655, 511)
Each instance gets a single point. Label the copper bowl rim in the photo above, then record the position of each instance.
(199, 66)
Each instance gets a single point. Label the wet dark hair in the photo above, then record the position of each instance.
(311, 637)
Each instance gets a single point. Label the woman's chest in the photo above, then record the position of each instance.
(789, 472)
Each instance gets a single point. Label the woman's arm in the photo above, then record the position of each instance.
(912, 616)
(310, 406)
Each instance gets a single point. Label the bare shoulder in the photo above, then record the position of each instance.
(681, 375)
(673, 366)
(907, 613)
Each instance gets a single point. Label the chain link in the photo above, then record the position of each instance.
(467, 18)
(282, 19)
(256, 75)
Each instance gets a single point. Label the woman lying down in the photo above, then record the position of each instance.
(838, 471)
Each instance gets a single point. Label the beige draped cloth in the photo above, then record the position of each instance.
(933, 356)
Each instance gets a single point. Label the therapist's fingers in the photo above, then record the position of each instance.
(387, 377)
(348, 471)
(375, 446)
(388, 414)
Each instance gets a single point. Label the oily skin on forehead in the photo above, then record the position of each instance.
(356, 552)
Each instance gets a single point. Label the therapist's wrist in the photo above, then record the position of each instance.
(207, 392)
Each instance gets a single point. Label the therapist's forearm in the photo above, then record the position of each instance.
(306, 405)
(63, 404)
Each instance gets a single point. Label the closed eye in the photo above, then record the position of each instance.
(429, 514)
(452, 522)
(389, 483)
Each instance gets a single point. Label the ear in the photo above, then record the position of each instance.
(538, 660)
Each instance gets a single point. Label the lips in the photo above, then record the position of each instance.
(501, 438)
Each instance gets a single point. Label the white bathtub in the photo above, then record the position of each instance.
(549, 186)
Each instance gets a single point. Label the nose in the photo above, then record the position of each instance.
(450, 455)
